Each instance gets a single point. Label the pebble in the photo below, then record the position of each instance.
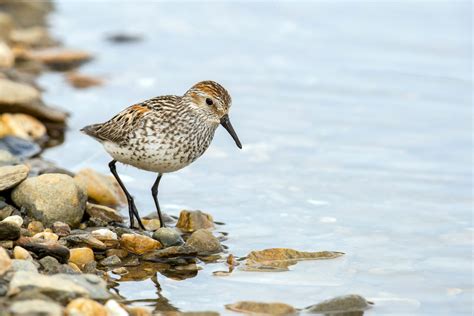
(43, 248)
(168, 237)
(14, 219)
(120, 271)
(35, 227)
(50, 198)
(12, 92)
(9, 231)
(50, 265)
(102, 189)
(104, 213)
(86, 239)
(114, 308)
(22, 125)
(5, 261)
(151, 224)
(81, 256)
(111, 261)
(82, 81)
(18, 147)
(61, 59)
(36, 307)
(190, 221)
(21, 253)
(11, 176)
(24, 265)
(104, 234)
(5, 210)
(204, 242)
(138, 244)
(121, 253)
(35, 36)
(259, 308)
(46, 236)
(74, 267)
(340, 304)
(61, 229)
(85, 307)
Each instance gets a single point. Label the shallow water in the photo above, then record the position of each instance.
(356, 124)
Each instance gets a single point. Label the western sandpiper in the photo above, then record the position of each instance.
(164, 134)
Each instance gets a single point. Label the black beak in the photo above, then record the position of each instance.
(226, 123)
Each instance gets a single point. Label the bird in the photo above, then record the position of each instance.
(164, 134)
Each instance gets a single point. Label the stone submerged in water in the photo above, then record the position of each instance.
(168, 236)
(10, 176)
(50, 198)
(259, 308)
(190, 221)
(204, 242)
(9, 231)
(102, 189)
(138, 244)
(338, 305)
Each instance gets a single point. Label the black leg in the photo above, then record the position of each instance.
(154, 192)
(132, 209)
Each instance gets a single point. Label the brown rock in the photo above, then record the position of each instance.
(35, 36)
(102, 189)
(16, 93)
(138, 244)
(249, 307)
(121, 253)
(85, 240)
(35, 227)
(82, 81)
(46, 236)
(21, 125)
(204, 242)
(9, 231)
(61, 59)
(43, 248)
(85, 307)
(151, 224)
(11, 176)
(61, 229)
(190, 221)
(5, 261)
(103, 213)
(81, 256)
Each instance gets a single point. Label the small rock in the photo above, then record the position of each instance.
(204, 242)
(43, 248)
(121, 253)
(258, 308)
(102, 189)
(104, 213)
(120, 271)
(61, 229)
(108, 237)
(85, 307)
(50, 265)
(50, 198)
(36, 307)
(14, 219)
(81, 256)
(5, 210)
(170, 252)
(168, 237)
(21, 253)
(46, 236)
(35, 36)
(11, 176)
(151, 224)
(74, 267)
(21, 125)
(35, 227)
(138, 244)
(7, 244)
(18, 147)
(190, 221)
(115, 309)
(5, 261)
(111, 261)
(341, 304)
(9, 231)
(61, 59)
(24, 265)
(16, 93)
(82, 81)
(7, 58)
(121, 38)
(85, 240)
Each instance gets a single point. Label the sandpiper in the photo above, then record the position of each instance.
(164, 134)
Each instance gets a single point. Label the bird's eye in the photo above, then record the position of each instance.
(209, 101)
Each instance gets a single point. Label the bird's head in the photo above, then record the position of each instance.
(211, 98)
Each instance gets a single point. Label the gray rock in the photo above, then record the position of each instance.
(168, 237)
(339, 305)
(5, 210)
(111, 261)
(18, 147)
(23, 265)
(36, 308)
(204, 242)
(81, 240)
(12, 92)
(50, 198)
(60, 287)
(9, 231)
(10, 176)
(50, 265)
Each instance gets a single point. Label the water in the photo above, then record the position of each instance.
(357, 130)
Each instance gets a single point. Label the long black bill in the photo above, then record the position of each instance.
(226, 123)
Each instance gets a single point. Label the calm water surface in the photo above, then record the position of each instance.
(356, 124)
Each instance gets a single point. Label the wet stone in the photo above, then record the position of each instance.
(204, 242)
(61, 59)
(138, 244)
(36, 307)
(168, 237)
(81, 256)
(340, 304)
(50, 198)
(259, 308)
(111, 261)
(9, 231)
(11, 176)
(190, 221)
